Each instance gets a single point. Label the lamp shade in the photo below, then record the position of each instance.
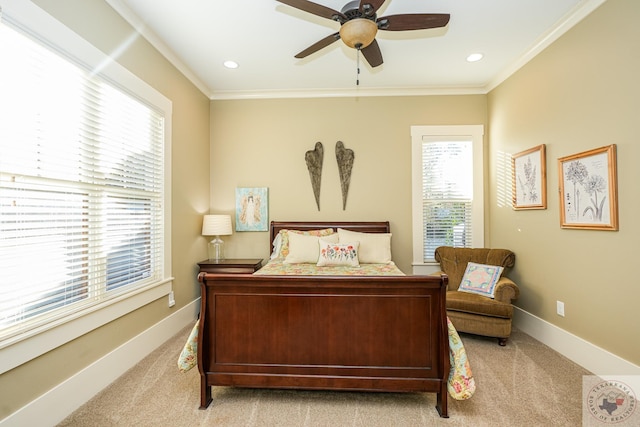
(216, 225)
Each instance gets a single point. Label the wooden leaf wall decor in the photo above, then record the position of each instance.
(314, 158)
(345, 158)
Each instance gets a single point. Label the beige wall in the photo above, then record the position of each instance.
(99, 24)
(581, 93)
(262, 143)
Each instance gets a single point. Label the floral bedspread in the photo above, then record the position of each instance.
(460, 384)
(277, 267)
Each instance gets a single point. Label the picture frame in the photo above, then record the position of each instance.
(252, 209)
(529, 179)
(589, 189)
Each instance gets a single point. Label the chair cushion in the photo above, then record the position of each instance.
(478, 304)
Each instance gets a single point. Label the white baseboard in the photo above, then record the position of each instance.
(59, 402)
(591, 357)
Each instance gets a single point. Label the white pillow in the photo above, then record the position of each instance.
(375, 248)
(283, 249)
(305, 248)
(338, 253)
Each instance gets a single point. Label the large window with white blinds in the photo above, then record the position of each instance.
(83, 200)
(447, 188)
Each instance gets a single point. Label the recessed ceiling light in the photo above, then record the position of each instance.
(231, 64)
(474, 57)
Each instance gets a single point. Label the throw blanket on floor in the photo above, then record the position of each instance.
(460, 385)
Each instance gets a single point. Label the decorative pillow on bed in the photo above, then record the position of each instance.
(375, 248)
(480, 279)
(304, 248)
(283, 250)
(338, 253)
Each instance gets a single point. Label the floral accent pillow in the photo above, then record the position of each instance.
(338, 254)
(480, 279)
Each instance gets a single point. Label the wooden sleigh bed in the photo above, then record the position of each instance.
(358, 333)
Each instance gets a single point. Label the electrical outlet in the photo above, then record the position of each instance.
(560, 308)
(172, 299)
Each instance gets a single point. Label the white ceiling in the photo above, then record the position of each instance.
(264, 35)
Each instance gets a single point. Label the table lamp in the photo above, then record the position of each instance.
(216, 225)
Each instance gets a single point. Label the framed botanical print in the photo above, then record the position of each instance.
(589, 189)
(252, 209)
(529, 185)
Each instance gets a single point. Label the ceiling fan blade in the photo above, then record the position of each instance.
(413, 21)
(318, 45)
(373, 6)
(372, 54)
(316, 9)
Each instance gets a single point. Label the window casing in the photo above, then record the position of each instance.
(447, 190)
(84, 183)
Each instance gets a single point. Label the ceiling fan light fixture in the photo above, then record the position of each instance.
(358, 33)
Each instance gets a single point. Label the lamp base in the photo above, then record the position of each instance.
(216, 249)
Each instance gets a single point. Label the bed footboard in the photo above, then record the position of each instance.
(330, 333)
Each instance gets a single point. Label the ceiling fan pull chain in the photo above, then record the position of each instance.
(358, 67)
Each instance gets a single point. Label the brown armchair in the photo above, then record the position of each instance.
(472, 313)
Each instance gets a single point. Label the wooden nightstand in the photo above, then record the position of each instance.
(230, 266)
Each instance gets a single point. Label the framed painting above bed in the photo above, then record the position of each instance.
(252, 209)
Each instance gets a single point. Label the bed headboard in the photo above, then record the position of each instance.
(364, 227)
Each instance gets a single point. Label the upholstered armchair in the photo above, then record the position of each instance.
(471, 312)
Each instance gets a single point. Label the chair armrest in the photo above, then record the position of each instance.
(506, 290)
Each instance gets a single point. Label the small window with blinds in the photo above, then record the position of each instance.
(82, 189)
(447, 181)
(447, 186)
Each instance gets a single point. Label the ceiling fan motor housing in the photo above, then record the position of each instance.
(352, 10)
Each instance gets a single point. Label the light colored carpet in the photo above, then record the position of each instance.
(523, 384)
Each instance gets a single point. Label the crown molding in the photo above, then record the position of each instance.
(129, 16)
(350, 93)
(568, 21)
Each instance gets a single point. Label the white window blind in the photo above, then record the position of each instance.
(447, 184)
(82, 188)
(447, 190)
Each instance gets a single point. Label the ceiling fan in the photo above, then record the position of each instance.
(359, 25)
